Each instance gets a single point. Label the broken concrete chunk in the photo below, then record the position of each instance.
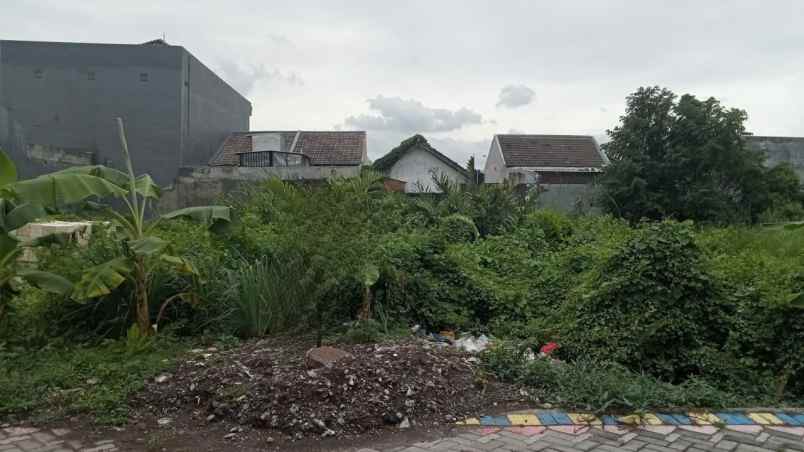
(324, 357)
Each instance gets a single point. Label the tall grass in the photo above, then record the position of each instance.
(271, 296)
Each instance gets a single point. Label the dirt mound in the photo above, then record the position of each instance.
(266, 385)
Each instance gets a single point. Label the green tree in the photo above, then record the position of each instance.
(470, 168)
(686, 158)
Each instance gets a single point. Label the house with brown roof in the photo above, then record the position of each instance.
(246, 157)
(414, 164)
(564, 167)
(306, 154)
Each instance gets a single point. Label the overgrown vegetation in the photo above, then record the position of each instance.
(647, 312)
(54, 382)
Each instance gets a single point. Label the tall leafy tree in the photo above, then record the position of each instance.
(684, 158)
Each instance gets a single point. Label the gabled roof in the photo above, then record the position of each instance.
(322, 148)
(551, 151)
(417, 141)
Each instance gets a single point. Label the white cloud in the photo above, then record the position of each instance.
(412, 116)
(245, 78)
(513, 96)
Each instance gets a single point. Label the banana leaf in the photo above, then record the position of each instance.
(147, 246)
(8, 171)
(102, 279)
(212, 216)
(57, 189)
(47, 281)
(144, 184)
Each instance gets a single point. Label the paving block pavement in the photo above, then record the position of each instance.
(601, 438)
(29, 439)
(550, 430)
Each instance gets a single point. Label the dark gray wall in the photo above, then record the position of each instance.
(65, 96)
(213, 111)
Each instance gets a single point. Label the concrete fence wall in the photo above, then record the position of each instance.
(206, 185)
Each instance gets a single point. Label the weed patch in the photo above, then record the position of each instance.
(54, 382)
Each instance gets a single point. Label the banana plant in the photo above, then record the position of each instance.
(141, 249)
(19, 207)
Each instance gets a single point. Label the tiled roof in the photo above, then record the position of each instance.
(552, 151)
(333, 148)
(323, 148)
(227, 154)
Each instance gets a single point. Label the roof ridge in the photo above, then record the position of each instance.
(543, 135)
(300, 130)
(388, 160)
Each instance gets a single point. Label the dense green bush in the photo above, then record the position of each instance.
(458, 228)
(760, 269)
(653, 306)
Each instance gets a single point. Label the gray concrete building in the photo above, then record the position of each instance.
(248, 157)
(58, 102)
(780, 150)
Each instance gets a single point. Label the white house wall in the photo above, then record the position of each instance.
(416, 167)
(495, 171)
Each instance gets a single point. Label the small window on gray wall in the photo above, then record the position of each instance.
(39, 73)
(91, 75)
(143, 76)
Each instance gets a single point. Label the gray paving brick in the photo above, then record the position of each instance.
(749, 448)
(726, 445)
(586, 445)
(784, 444)
(49, 448)
(44, 437)
(14, 439)
(650, 439)
(634, 444)
(605, 448)
(101, 448)
(741, 438)
(655, 448)
(29, 444)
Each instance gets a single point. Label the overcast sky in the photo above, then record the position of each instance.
(460, 71)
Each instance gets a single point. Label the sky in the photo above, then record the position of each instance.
(460, 71)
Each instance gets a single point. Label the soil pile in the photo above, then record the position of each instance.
(266, 384)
